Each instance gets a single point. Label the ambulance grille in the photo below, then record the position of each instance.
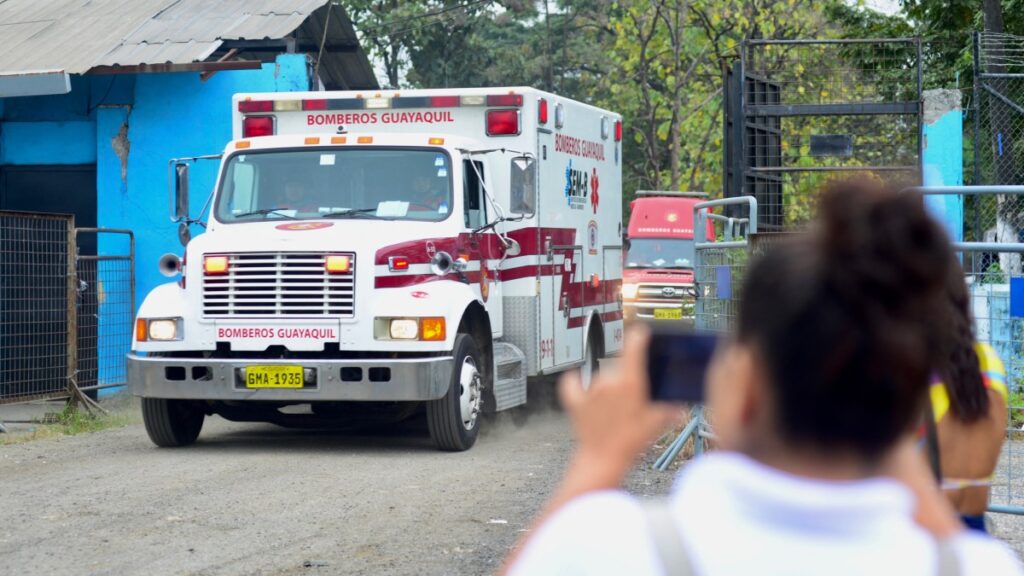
(279, 284)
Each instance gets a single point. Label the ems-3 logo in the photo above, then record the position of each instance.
(577, 187)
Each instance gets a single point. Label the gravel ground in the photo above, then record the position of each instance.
(258, 499)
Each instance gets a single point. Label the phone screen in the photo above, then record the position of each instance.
(677, 361)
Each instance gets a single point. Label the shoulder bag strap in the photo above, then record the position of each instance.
(667, 541)
(949, 563)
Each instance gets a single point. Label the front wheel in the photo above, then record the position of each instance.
(591, 359)
(172, 423)
(454, 420)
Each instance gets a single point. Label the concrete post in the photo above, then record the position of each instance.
(942, 161)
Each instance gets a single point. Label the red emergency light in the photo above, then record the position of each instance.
(505, 100)
(542, 111)
(444, 101)
(502, 122)
(314, 104)
(253, 126)
(618, 130)
(248, 106)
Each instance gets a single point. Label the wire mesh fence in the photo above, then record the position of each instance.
(106, 300)
(998, 147)
(36, 297)
(65, 317)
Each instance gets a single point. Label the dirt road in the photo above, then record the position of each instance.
(258, 499)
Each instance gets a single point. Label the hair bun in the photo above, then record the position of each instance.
(881, 244)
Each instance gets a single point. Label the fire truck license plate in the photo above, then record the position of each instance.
(273, 377)
(668, 314)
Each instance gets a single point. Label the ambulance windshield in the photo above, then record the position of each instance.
(374, 183)
(660, 253)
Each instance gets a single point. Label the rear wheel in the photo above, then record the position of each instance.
(171, 423)
(454, 420)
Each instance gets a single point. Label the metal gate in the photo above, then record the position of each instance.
(801, 112)
(65, 319)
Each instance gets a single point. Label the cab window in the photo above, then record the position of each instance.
(475, 207)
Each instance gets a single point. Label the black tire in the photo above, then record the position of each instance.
(444, 415)
(594, 352)
(172, 423)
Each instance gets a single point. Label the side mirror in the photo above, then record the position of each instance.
(512, 248)
(523, 186)
(181, 191)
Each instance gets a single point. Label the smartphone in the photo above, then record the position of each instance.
(677, 362)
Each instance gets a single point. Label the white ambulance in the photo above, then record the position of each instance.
(398, 252)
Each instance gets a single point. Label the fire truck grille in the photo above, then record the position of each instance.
(279, 284)
(666, 292)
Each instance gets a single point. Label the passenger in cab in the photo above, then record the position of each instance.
(813, 399)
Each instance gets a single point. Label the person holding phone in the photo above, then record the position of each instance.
(813, 401)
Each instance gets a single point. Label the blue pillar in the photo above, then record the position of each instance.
(942, 162)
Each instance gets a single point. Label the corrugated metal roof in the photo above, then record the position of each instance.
(78, 35)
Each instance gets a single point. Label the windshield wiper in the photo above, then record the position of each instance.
(265, 211)
(352, 212)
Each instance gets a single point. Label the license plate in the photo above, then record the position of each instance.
(668, 314)
(273, 377)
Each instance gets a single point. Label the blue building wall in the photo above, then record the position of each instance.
(130, 126)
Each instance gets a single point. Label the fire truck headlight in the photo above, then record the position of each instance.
(404, 329)
(165, 329)
(629, 290)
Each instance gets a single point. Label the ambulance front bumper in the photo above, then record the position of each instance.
(324, 380)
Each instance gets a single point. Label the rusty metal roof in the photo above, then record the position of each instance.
(76, 36)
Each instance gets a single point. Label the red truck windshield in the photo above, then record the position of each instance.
(660, 253)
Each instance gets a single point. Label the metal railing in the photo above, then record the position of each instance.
(718, 270)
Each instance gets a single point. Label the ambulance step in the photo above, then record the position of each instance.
(509, 376)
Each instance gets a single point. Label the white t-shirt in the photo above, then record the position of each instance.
(737, 516)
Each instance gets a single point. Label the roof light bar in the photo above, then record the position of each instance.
(248, 106)
(505, 100)
(287, 105)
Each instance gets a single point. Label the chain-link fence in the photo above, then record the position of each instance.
(998, 135)
(65, 317)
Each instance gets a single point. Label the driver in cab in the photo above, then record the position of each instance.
(430, 192)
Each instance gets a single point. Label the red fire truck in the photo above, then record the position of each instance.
(658, 279)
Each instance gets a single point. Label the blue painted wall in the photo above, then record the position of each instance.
(174, 115)
(942, 162)
(130, 127)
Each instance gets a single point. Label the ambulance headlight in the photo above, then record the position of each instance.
(165, 329)
(404, 329)
(629, 291)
